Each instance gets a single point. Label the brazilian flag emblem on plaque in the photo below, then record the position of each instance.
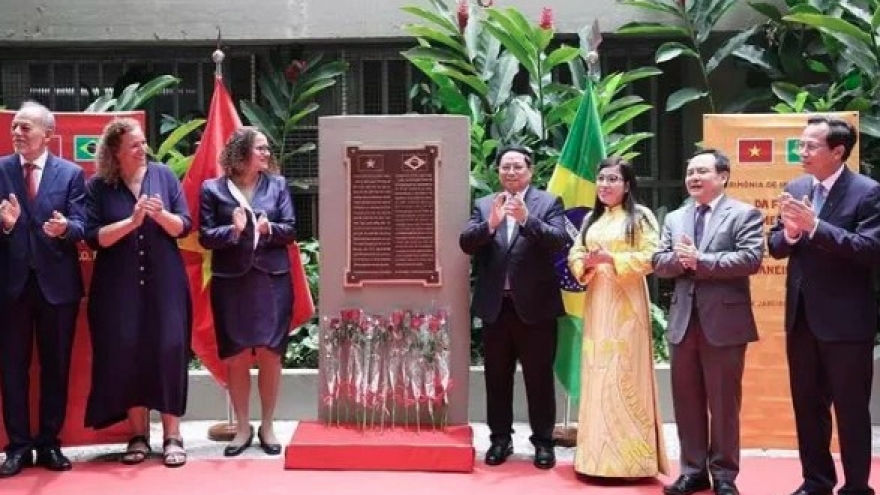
(85, 148)
(792, 151)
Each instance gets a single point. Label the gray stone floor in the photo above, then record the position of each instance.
(200, 447)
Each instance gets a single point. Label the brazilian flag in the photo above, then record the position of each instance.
(574, 180)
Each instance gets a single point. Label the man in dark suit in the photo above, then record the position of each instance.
(513, 236)
(829, 229)
(42, 219)
(710, 247)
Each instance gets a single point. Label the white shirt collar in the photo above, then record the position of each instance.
(40, 162)
(831, 179)
(714, 203)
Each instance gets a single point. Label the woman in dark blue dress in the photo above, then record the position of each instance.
(247, 219)
(139, 305)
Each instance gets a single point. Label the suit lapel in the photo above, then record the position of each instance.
(531, 201)
(16, 175)
(50, 170)
(836, 194)
(688, 221)
(722, 209)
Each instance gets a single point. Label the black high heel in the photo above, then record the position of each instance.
(235, 450)
(269, 448)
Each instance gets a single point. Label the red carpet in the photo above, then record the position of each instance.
(319, 446)
(760, 476)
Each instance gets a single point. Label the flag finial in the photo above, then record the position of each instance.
(218, 57)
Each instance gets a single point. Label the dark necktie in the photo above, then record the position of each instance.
(29, 185)
(818, 197)
(700, 223)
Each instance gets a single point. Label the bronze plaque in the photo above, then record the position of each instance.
(392, 216)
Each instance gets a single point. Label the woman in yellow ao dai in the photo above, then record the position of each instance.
(619, 427)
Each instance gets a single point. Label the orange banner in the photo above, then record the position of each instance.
(763, 150)
(75, 139)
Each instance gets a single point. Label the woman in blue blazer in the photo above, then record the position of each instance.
(247, 219)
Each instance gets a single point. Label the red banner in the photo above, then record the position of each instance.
(75, 139)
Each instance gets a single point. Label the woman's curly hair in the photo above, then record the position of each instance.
(108, 147)
(235, 155)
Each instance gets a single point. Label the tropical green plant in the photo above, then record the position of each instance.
(692, 22)
(821, 56)
(179, 135)
(302, 352)
(290, 91)
(133, 97)
(471, 58)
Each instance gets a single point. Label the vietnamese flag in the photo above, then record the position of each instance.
(221, 123)
(755, 150)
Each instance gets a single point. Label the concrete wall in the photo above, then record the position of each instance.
(89, 21)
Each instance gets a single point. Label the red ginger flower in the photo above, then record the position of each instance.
(546, 21)
(463, 14)
(294, 70)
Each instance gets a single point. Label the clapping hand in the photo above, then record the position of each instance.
(55, 226)
(140, 211)
(598, 256)
(154, 205)
(687, 252)
(239, 219)
(797, 216)
(262, 224)
(516, 208)
(496, 214)
(10, 210)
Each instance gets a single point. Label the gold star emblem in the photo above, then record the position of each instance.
(755, 151)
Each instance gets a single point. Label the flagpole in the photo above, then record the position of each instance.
(222, 432)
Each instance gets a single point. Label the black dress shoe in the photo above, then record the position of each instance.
(687, 484)
(269, 448)
(53, 460)
(804, 491)
(498, 453)
(545, 458)
(724, 487)
(15, 462)
(233, 450)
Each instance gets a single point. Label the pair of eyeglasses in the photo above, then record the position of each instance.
(810, 146)
(609, 179)
(514, 168)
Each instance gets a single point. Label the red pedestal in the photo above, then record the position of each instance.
(318, 446)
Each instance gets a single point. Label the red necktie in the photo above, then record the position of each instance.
(29, 180)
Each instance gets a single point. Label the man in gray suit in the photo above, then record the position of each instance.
(710, 247)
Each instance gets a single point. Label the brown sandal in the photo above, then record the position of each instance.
(173, 453)
(137, 450)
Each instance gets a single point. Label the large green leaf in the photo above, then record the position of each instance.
(875, 20)
(560, 55)
(611, 122)
(757, 57)
(728, 47)
(832, 25)
(294, 119)
(502, 80)
(153, 88)
(673, 49)
(857, 11)
(177, 135)
(440, 20)
(260, 119)
(103, 103)
(769, 10)
(639, 73)
(436, 36)
(624, 143)
(473, 82)
(859, 55)
(682, 97)
(514, 46)
(716, 9)
(786, 92)
(128, 96)
(653, 29)
(453, 100)
(622, 102)
(271, 91)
